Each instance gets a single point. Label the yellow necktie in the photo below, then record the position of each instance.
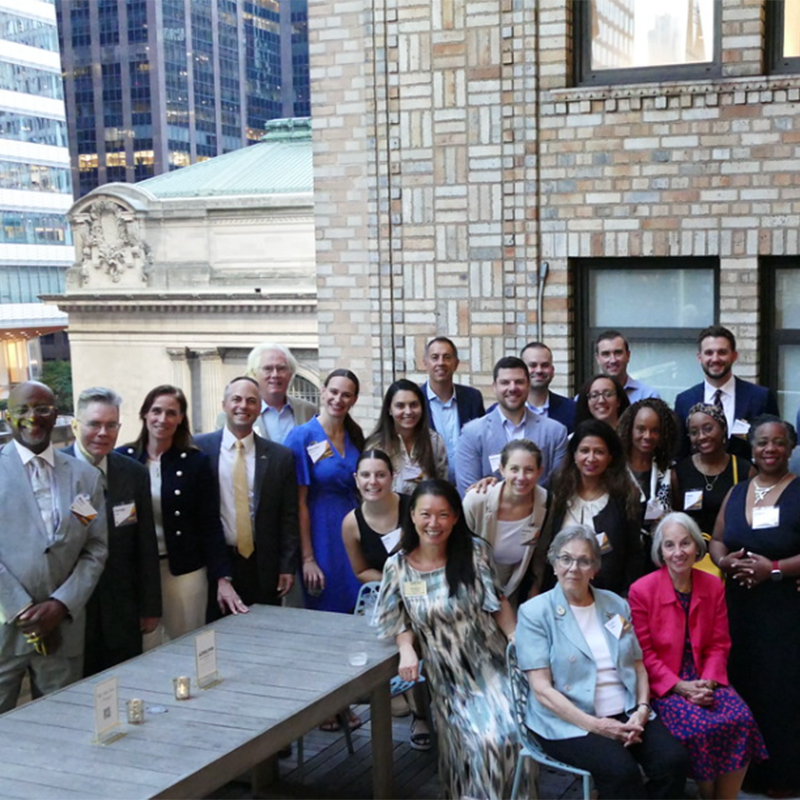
(241, 496)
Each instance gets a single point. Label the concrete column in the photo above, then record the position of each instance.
(212, 385)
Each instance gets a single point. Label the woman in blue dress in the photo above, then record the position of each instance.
(326, 451)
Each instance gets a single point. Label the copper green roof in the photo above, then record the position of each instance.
(281, 163)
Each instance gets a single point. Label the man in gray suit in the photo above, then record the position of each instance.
(127, 600)
(478, 452)
(52, 550)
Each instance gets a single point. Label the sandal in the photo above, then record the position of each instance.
(354, 722)
(419, 740)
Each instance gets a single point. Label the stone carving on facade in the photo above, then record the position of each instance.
(110, 242)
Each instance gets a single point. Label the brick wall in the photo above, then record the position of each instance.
(452, 156)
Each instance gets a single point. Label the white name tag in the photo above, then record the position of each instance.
(741, 427)
(411, 473)
(415, 589)
(603, 543)
(693, 500)
(124, 514)
(614, 626)
(319, 450)
(391, 539)
(83, 509)
(654, 509)
(494, 462)
(766, 517)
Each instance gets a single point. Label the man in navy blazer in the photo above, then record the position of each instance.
(264, 566)
(478, 452)
(450, 405)
(741, 400)
(538, 358)
(127, 600)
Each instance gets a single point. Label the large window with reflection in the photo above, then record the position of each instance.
(780, 331)
(632, 41)
(783, 35)
(658, 304)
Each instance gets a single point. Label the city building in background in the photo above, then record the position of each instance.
(154, 85)
(35, 188)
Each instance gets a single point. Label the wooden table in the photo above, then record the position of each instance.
(284, 671)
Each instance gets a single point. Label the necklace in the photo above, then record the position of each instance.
(709, 481)
(761, 492)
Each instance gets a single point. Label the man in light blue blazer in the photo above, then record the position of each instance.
(52, 550)
(478, 450)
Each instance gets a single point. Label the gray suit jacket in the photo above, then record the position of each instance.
(30, 570)
(303, 412)
(486, 437)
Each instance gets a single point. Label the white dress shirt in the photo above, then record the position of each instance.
(728, 398)
(227, 501)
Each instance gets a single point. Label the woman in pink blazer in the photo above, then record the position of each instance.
(681, 621)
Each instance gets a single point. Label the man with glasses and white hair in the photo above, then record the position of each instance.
(52, 549)
(274, 367)
(127, 600)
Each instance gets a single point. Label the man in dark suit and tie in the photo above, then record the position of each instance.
(52, 550)
(450, 405)
(538, 358)
(740, 400)
(127, 600)
(258, 499)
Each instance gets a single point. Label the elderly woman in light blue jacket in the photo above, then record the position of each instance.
(589, 699)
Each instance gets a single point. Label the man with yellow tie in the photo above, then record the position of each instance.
(258, 499)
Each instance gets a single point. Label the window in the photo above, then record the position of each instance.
(633, 41)
(783, 35)
(780, 332)
(658, 304)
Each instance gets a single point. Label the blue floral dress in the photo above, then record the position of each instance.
(331, 496)
(719, 738)
(464, 653)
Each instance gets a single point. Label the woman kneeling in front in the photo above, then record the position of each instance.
(589, 698)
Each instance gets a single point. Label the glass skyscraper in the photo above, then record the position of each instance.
(153, 85)
(35, 181)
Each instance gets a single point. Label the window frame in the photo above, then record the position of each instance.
(586, 334)
(776, 62)
(582, 56)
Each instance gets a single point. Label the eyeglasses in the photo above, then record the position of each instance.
(607, 393)
(567, 561)
(94, 425)
(37, 411)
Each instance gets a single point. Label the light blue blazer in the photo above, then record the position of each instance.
(548, 636)
(486, 437)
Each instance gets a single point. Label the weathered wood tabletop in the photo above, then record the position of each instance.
(283, 670)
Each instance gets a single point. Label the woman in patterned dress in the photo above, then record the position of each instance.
(417, 452)
(681, 622)
(440, 593)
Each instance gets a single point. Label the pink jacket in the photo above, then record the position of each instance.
(660, 625)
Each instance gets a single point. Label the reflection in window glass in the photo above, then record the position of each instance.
(789, 381)
(791, 28)
(643, 33)
(651, 298)
(669, 367)
(787, 298)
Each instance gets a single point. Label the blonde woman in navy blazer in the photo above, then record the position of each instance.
(187, 516)
(589, 691)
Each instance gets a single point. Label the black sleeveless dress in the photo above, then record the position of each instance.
(371, 541)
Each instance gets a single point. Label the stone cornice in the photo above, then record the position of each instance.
(186, 303)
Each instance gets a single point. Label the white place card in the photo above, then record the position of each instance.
(106, 712)
(205, 650)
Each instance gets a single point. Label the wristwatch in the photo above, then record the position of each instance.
(776, 573)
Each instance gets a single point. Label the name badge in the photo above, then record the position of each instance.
(390, 540)
(693, 500)
(319, 450)
(615, 626)
(529, 535)
(411, 473)
(83, 509)
(766, 517)
(603, 543)
(654, 510)
(124, 514)
(415, 589)
(494, 462)
(741, 427)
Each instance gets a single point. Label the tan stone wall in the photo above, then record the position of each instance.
(444, 132)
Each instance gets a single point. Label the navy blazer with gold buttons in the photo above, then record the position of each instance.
(190, 512)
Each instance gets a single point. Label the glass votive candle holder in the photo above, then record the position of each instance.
(182, 687)
(135, 711)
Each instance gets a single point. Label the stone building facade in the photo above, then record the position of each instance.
(457, 152)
